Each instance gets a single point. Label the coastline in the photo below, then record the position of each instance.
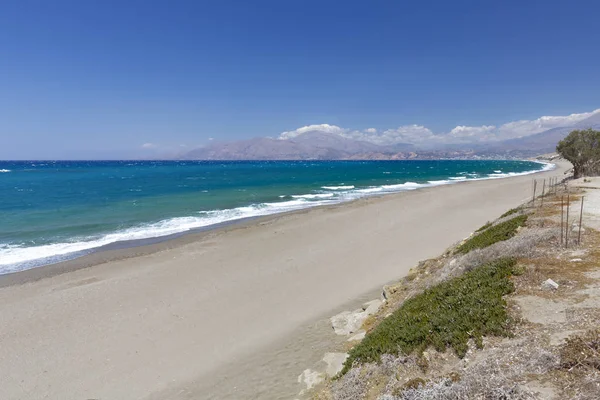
(190, 318)
(125, 250)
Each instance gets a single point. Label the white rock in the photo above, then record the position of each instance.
(359, 336)
(372, 306)
(348, 322)
(335, 363)
(550, 284)
(576, 260)
(310, 378)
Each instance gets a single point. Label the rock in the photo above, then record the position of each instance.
(335, 363)
(372, 306)
(549, 284)
(388, 291)
(576, 260)
(359, 336)
(310, 378)
(348, 322)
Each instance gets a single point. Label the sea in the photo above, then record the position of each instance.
(52, 211)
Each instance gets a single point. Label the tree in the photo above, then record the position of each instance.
(582, 149)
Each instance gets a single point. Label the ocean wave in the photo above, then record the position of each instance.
(348, 187)
(4, 170)
(392, 188)
(17, 258)
(312, 196)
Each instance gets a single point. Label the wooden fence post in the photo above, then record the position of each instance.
(562, 218)
(580, 219)
(567, 221)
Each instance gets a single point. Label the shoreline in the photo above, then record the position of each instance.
(124, 250)
(228, 313)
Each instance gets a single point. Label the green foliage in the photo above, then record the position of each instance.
(484, 227)
(448, 314)
(510, 212)
(497, 233)
(582, 149)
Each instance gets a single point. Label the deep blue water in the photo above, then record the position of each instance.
(51, 211)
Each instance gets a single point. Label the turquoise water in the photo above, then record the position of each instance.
(51, 211)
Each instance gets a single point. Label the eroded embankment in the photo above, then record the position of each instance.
(511, 312)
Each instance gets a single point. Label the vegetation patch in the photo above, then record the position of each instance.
(446, 315)
(484, 227)
(503, 231)
(511, 212)
(582, 351)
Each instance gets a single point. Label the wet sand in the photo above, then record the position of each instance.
(234, 313)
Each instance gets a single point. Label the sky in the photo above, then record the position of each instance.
(125, 79)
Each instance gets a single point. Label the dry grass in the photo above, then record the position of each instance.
(497, 375)
(582, 351)
(527, 244)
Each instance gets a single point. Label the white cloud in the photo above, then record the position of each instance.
(530, 127)
(309, 128)
(402, 134)
(421, 135)
(472, 132)
(149, 146)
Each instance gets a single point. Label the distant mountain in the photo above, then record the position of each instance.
(318, 145)
(313, 145)
(543, 142)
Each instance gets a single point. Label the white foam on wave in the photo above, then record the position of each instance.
(313, 196)
(392, 188)
(348, 187)
(4, 170)
(16, 258)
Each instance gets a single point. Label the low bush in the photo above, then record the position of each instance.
(582, 351)
(511, 212)
(503, 231)
(484, 227)
(448, 314)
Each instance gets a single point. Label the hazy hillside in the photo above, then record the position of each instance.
(318, 145)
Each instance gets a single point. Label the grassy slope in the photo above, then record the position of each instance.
(503, 231)
(448, 314)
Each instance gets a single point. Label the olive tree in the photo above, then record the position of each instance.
(582, 149)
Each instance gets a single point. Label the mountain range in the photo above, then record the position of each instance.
(319, 145)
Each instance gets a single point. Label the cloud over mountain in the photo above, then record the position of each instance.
(421, 135)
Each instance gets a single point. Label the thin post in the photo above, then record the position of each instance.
(567, 220)
(543, 192)
(580, 219)
(534, 187)
(562, 218)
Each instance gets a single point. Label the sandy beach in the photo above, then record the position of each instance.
(234, 313)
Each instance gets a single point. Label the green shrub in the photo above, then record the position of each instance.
(448, 314)
(511, 212)
(503, 231)
(484, 227)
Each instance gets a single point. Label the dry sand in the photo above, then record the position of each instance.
(237, 313)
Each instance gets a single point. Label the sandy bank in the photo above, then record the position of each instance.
(229, 313)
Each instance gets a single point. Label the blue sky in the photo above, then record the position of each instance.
(101, 78)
